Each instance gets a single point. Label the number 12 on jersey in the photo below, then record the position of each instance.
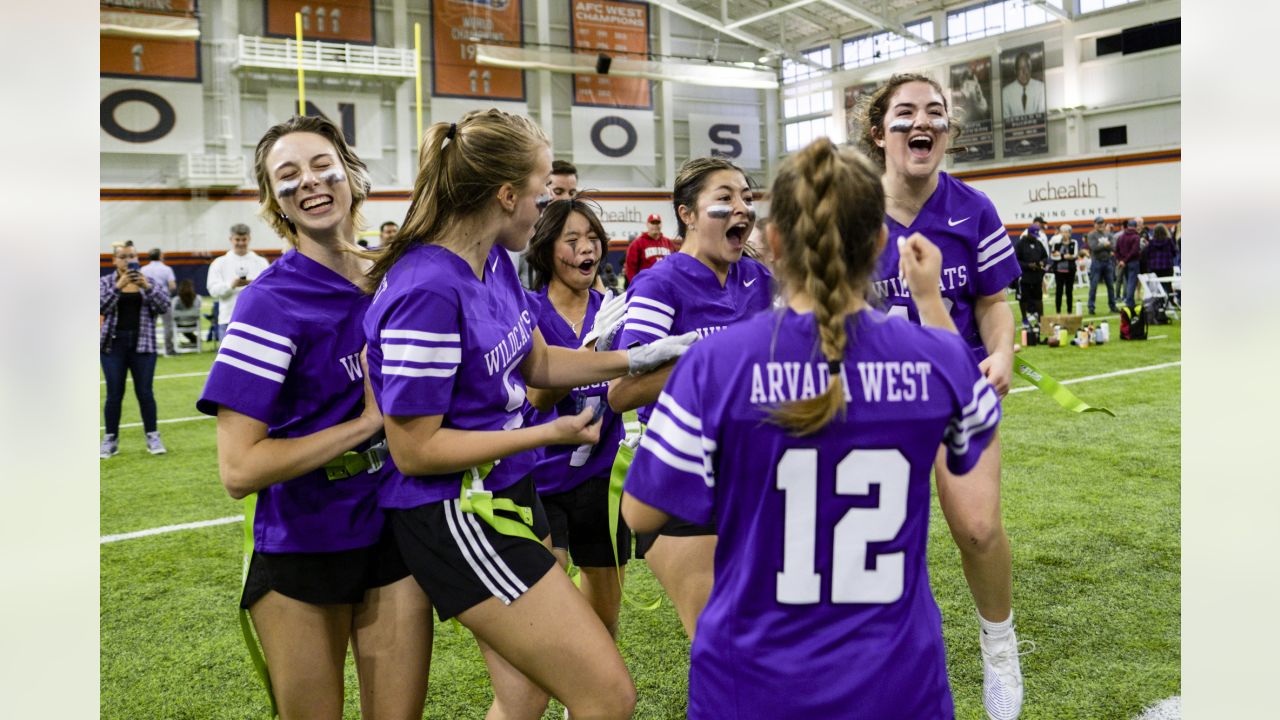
(800, 583)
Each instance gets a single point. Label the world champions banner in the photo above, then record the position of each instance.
(456, 27)
(970, 101)
(1022, 101)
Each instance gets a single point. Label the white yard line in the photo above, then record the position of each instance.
(237, 518)
(164, 377)
(170, 420)
(168, 529)
(1168, 709)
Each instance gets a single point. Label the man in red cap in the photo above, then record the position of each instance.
(647, 249)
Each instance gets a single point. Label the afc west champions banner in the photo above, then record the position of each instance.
(733, 137)
(454, 72)
(970, 101)
(139, 116)
(1023, 102)
(358, 115)
(619, 29)
(348, 21)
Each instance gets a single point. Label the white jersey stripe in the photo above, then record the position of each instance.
(465, 548)
(646, 328)
(421, 354)
(249, 368)
(994, 248)
(958, 439)
(680, 440)
(420, 335)
(984, 266)
(684, 416)
(256, 350)
(650, 302)
(987, 403)
(264, 334)
(649, 316)
(418, 372)
(999, 232)
(671, 460)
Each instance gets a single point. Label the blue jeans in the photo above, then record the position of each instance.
(123, 359)
(1104, 270)
(1131, 270)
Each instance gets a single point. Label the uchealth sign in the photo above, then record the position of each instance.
(609, 136)
(734, 138)
(139, 116)
(1120, 188)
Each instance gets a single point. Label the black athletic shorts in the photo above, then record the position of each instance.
(675, 527)
(460, 561)
(331, 578)
(580, 524)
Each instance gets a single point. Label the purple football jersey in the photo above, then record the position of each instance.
(291, 359)
(442, 342)
(977, 256)
(821, 606)
(680, 294)
(561, 468)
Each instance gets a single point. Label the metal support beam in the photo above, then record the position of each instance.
(877, 20)
(1052, 10)
(688, 13)
(769, 13)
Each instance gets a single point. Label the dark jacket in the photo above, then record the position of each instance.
(1032, 257)
(1128, 246)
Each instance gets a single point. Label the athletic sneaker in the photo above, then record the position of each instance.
(1001, 676)
(110, 446)
(154, 446)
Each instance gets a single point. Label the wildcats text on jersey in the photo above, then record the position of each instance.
(895, 381)
(952, 278)
(517, 337)
(788, 381)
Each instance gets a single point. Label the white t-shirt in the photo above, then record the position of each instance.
(224, 271)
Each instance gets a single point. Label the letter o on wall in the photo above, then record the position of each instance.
(164, 125)
(597, 139)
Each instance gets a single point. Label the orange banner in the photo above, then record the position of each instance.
(617, 28)
(456, 27)
(340, 20)
(185, 8)
(149, 58)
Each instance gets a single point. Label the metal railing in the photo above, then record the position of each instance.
(320, 56)
(200, 170)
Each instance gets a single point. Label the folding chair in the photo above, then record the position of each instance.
(1151, 288)
(187, 321)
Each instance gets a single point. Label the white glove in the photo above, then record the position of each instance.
(643, 358)
(607, 323)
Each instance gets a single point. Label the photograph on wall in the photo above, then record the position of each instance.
(344, 21)
(153, 43)
(852, 96)
(971, 104)
(617, 28)
(1022, 100)
(456, 25)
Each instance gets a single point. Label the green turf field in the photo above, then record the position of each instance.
(1091, 505)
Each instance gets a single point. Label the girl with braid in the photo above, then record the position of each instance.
(705, 287)
(907, 130)
(808, 434)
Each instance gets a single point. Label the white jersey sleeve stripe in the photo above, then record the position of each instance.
(1000, 231)
(421, 354)
(418, 372)
(994, 248)
(249, 367)
(670, 459)
(257, 351)
(648, 316)
(668, 403)
(420, 335)
(650, 302)
(983, 267)
(264, 334)
(680, 440)
(958, 438)
(644, 327)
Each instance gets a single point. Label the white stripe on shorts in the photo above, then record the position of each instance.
(465, 549)
(493, 555)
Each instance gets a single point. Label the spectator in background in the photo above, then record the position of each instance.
(1063, 252)
(129, 303)
(160, 274)
(1128, 252)
(387, 231)
(186, 306)
(756, 248)
(564, 180)
(1041, 232)
(1160, 256)
(1102, 264)
(1144, 237)
(1033, 257)
(647, 249)
(231, 273)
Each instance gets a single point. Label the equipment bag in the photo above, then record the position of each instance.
(1133, 326)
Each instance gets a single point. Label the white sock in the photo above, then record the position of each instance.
(996, 630)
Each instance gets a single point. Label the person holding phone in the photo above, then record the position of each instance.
(129, 303)
(231, 273)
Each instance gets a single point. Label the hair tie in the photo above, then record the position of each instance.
(833, 367)
(453, 130)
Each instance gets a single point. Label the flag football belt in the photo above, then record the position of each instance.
(352, 463)
(1053, 388)
(617, 476)
(480, 502)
